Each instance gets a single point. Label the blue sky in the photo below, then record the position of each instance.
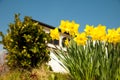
(93, 12)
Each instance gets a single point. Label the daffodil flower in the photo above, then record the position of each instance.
(81, 39)
(54, 34)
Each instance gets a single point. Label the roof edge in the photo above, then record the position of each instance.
(41, 23)
(49, 26)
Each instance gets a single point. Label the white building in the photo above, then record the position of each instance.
(54, 62)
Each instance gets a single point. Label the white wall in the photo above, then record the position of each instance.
(54, 62)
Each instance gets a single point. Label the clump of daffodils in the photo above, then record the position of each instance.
(96, 56)
(54, 34)
(95, 33)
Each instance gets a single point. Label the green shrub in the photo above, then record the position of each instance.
(26, 43)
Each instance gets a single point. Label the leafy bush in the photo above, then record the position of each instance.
(26, 43)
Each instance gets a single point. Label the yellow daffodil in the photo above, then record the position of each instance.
(81, 39)
(67, 42)
(64, 26)
(113, 36)
(69, 27)
(118, 30)
(88, 30)
(73, 28)
(54, 34)
(99, 33)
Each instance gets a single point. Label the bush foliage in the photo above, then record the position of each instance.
(26, 43)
